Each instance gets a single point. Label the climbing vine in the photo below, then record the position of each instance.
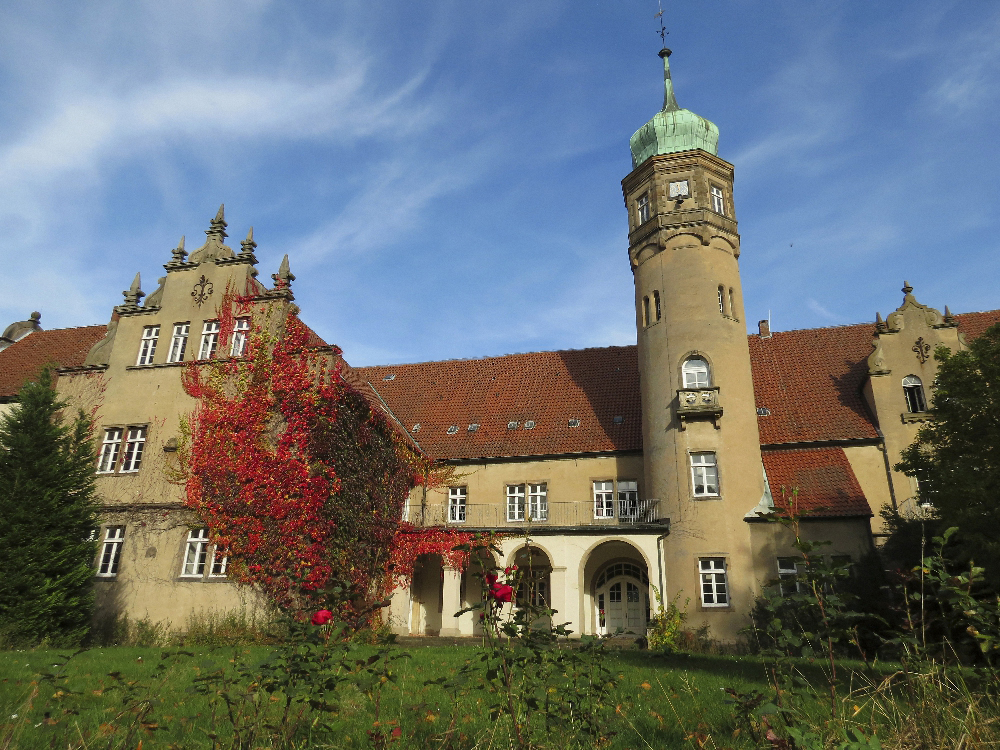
(299, 478)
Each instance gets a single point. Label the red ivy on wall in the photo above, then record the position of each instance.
(299, 478)
(411, 542)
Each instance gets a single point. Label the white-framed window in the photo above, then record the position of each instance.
(695, 373)
(241, 332)
(656, 305)
(604, 499)
(714, 587)
(515, 502)
(704, 474)
(913, 391)
(135, 442)
(209, 339)
(456, 503)
(718, 200)
(220, 562)
(789, 569)
(111, 551)
(178, 342)
(538, 502)
(107, 460)
(195, 553)
(642, 209)
(147, 347)
(628, 498)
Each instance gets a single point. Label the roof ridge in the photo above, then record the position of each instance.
(499, 356)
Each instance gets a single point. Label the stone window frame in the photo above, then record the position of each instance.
(122, 449)
(200, 559)
(685, 371)
(643, 208)
(717, 196)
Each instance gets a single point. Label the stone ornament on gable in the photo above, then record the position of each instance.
(203, 289)
(922, 349)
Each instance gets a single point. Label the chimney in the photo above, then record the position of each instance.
(764, 327)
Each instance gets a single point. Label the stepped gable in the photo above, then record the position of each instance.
(810, 381)
(23, 360)
(593, 386)
(826, 484)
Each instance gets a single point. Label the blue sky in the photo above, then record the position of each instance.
(445, 176)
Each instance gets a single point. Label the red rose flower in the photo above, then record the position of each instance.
(509, 569)
(322, 617)
(491, 579)
(502, 592)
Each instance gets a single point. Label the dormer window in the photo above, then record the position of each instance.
(718, 200)
(913, 391)
(696, 373)
(642, 209)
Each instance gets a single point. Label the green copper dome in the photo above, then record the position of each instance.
(672, 129)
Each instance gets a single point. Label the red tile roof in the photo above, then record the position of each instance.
(975, 323)
(64, 347)
(823, 478)
(548, 388)
(810, 382)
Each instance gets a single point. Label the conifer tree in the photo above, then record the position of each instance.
(48, 513)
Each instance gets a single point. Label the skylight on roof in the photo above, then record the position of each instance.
(453, 429)
(513, 425)
(416, 428)
(574, 422)
(618, 419)
(473, 427)
(529, 425)
(390, 376)
(763, 411)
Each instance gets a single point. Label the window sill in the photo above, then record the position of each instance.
(99, 577)
(701, 498)
(916, 416)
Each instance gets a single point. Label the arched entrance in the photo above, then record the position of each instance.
(621, 592)
(481, 562)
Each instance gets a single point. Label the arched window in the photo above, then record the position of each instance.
(645, 311)
(732, 304)
(722, 300)
(656, 305)
(696, 373)
(913, 391)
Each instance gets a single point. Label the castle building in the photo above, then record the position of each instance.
(635, 471)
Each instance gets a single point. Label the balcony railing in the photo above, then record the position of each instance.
(498, 515)
(694, 403)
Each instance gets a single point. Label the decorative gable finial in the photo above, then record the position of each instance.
(880, 325)
(218, 225)
(907, 289)
(248, 246)
(132, 297)
(214, 247)
(284, 277)
(178, 255)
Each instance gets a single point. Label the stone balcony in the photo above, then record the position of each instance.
(698, 403)
(549, 515)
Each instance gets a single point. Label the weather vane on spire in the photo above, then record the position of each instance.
(663, 30)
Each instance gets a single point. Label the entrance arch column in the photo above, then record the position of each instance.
(451, 601)
(557, 582)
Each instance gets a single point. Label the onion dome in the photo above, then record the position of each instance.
(672, 129)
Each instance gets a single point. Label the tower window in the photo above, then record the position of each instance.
(718, 201)
(645, 311)
(696, 373)
(656, 305)
(642, 209)
(722, 300)
(732, 304)
(704, 474)
(913, 391)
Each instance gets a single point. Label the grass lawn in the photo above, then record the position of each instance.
(665, 702)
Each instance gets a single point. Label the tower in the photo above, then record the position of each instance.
(701, 446)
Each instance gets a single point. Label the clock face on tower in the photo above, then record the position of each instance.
(679, 189)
